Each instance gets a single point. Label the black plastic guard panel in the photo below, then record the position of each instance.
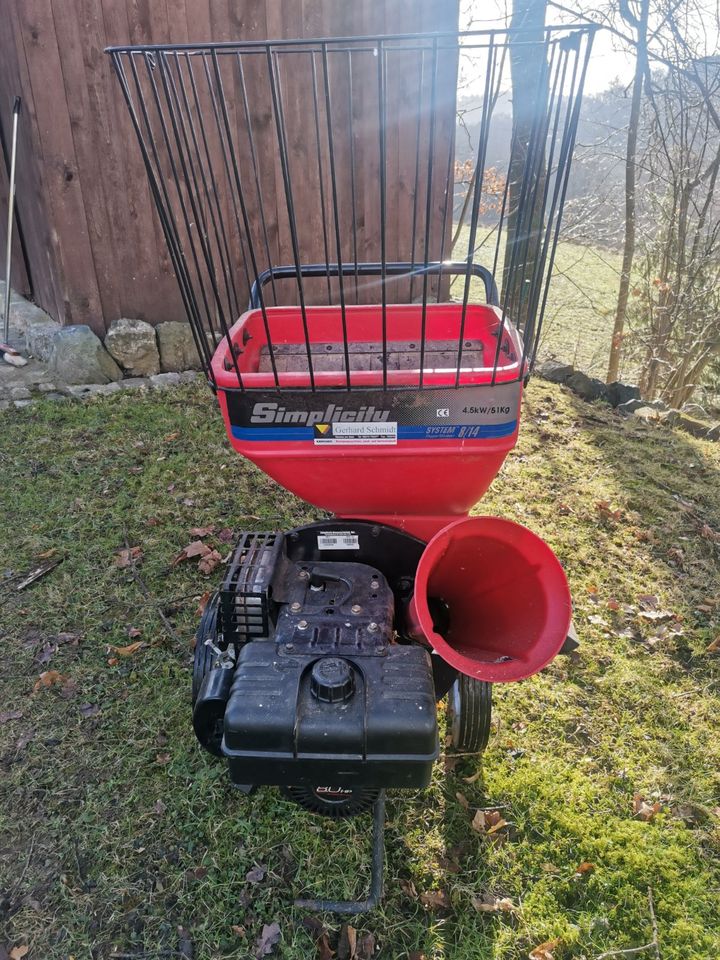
(385, 735)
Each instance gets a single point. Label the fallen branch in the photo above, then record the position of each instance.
(37, 572)
(654, 944)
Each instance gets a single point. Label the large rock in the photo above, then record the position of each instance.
(651, 413)
(695, 410)
(554, 371)
(177, 347)
(618, 393)
(132, 344)
(39, 338)
(693, 426)
(589, 388)
(630, 406)
(78, 356)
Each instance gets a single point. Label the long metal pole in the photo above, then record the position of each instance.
(11, 207)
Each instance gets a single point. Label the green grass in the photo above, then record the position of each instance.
(579, 316)
(116, 829)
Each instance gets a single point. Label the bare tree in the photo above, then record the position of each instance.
(676, 314)
(639, 24)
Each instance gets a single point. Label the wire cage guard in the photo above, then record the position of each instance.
(317, 179)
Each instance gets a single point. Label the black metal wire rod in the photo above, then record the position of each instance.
(276, 94)
(569, 143)
(350, 907)
(584, 27)
(255, 164)
(375, 270)
(164, 217)
(321, 174)
(428, 203)
(381, 68)
(243, 210)
(488, 102)
(336, 215)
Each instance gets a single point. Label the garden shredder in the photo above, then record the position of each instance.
(375, 373)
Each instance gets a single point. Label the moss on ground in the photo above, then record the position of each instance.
(117, 830)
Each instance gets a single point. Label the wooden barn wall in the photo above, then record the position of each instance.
(95, 245)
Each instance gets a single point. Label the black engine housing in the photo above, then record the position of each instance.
(332, 694)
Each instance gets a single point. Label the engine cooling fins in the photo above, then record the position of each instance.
(333, 802)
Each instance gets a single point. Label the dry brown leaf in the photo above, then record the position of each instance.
(643, 810)
(238, 930)
(478, 822)
(656, 616)
(202, 531)
(49, 678)
(128, 556)
(10, 715)
(497, 826)
(347, 943)
(714, 646)
(545, 951)
(366, 947)
(408, 887)
(488, 822)
(488, 903)
(585, 867)
(46, 554)
(268, 939)
(168, 438)
(319, 934)
(474, 778)
(127, 651)
(113, 661)
(134, 632)
(462, 800)
(163, 759)
(17, 953)
(195, 549)
(209, 561)
(448, 865)
(606, 511)
(435, 900)
(202, 603)
(256, 874)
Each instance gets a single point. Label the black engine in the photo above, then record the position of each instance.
(303, 677)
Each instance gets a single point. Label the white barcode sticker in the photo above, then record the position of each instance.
(339, 540)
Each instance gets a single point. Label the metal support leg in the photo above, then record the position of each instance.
(376, 884)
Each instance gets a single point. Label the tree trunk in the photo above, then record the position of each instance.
(641, 63)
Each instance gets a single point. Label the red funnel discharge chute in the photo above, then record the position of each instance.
(507, 598)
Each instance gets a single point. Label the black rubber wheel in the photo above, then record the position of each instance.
(334, 802)
(469, 713)
(204, 656)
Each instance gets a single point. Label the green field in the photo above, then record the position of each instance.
(119, 837)
(579, 317)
